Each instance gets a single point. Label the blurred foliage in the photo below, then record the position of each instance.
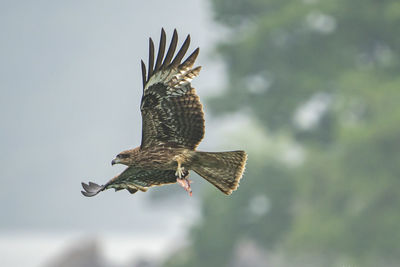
(327, 74)
(246, 215)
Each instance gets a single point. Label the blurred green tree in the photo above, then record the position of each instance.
(325, 73)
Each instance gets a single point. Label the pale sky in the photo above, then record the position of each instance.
(70, 86)
(70, 91)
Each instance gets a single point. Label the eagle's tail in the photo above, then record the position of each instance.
(222, 169)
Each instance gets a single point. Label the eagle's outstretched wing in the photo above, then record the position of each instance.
(133, 179)
(172, 114)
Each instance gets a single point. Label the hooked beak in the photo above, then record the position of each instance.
(115, 161)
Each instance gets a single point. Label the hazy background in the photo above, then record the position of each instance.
(70, 84)
(310, 89)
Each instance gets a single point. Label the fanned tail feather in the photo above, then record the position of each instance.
(222, 169)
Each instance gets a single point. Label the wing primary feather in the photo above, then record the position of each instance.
(86, 187)
(182, 52)
(151, 58)
(143, 73)
(195, 72)
(91, 189)
(188, 63)
(95, 186)
(161, 50)
(171, 50)
(86, 194)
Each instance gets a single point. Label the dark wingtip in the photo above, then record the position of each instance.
(91, 189)
(161, 50)
(143, 73)
(181, 52)
(189, 62)
(171, 50)
(151, 58)
(86, 194)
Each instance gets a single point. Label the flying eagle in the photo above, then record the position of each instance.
(172, 128)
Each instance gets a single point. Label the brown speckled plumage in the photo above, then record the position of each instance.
(172, 128)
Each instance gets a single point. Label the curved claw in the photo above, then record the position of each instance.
(91, 189)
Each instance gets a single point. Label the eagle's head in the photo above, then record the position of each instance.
(121, 158)
(126, 157)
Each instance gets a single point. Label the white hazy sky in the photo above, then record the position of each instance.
(70, 92)
(70, 86)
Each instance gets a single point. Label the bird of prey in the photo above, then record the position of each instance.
(172, 128)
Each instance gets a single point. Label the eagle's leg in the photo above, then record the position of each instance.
(179, 171)
(182, 177)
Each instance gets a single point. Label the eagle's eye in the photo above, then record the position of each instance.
(123, 156)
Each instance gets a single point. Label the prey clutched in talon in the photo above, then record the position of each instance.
(185, 183)
(182, 179)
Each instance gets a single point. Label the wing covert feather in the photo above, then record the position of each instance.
(143, 178)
